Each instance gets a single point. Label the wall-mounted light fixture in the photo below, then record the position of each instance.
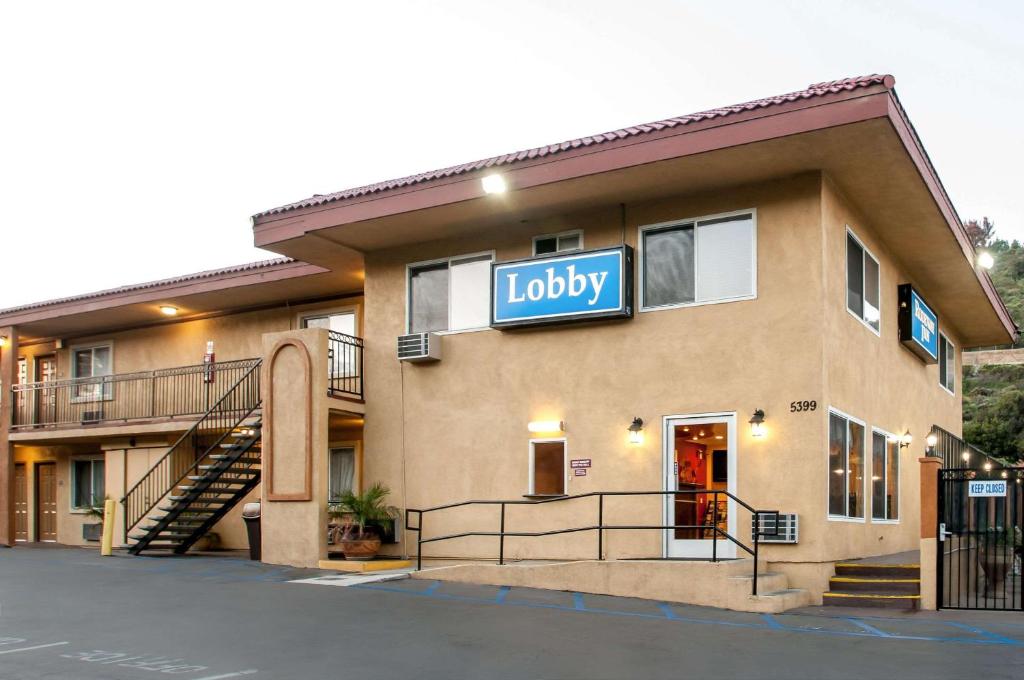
(548, 426)
(757, 427)
(168, 310)
(985, 260)
(906, 440)
(3, 341)
(636, 431)
(494, 184)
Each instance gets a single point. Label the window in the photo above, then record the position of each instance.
(846, 466)
(87, 483)
(547, 467)
(947, 364)
(91, 362)
(698, 261)
(22, 371)
(558, 243)
(862, 283)
(342, 471)
(885, 476)
(342, 322)
(451, 295)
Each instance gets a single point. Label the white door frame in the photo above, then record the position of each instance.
(672, 547)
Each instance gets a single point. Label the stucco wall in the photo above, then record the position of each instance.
(462, 423)
(873, 378)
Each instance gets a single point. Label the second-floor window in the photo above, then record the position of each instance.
(558, 243)
(709, 259)
(947, 364)
(450, 295)
(862, 283)
(92, 362)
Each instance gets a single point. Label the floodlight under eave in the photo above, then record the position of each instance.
(494, 184)
(985, 260)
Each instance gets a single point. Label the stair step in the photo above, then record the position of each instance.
(871, 600)
(224, 456)
(235, 446)
(199, 500)
(221, 479)
(875, 586)
(886, 571)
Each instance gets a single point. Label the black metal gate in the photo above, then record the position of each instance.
(981, 517)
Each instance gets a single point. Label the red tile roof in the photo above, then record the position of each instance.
(262, 265)
(815, 90)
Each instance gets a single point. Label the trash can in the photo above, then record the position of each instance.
(251, 515)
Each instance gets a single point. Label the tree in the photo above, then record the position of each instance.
(980, 233)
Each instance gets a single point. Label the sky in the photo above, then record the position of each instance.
(137, 139)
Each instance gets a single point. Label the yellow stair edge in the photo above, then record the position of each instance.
(854, 579)
(878, 566)
(369, 565)
(873, 597)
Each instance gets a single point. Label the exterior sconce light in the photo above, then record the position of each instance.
(906, 440)
(168, 310)
(3, 341)
(757, 428)
(931, 440)
(636, 431)
(985, 260)
(546, 426)
(494, 184)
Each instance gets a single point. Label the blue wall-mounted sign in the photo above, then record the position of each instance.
(918, 325)
(594, 284)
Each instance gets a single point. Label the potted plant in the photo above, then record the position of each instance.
(94, 530)
(357, 535)
(1005, 544)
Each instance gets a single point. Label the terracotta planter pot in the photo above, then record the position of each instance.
(995, 566)
(359, 549)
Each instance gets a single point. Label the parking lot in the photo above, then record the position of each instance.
(67, 613)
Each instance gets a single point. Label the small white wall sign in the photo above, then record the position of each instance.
(987, 489)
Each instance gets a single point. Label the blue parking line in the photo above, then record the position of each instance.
(767, 621)
(502, 594)
(982, 632)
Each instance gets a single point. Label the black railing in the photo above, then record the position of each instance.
(205, 437)
(956, 453)
(601, 527)
(165, 393)
(345, 365)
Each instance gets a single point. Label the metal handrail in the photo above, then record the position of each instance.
(600, 527)
(344, 365)
(187, 452)
(180, 391)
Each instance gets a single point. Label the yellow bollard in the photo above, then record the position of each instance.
(109, 510)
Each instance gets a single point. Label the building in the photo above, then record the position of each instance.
(769, 299)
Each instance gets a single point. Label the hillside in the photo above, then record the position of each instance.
(994, 395)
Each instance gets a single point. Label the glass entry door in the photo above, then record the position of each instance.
(700, 458)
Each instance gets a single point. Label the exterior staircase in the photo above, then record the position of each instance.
(868, 584)
(207, 471)
(227, 476)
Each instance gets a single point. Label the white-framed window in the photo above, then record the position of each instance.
(885, 476)
(342, 359)
(698, 261)
(558, 243)
(88, 485)
(343, 473)
(340, 322)
(845, 466)
(547, 467)
(947, 364)
(863, 283)
(452, 294)
(93, 361)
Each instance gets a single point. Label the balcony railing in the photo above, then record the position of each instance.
(167, 393)
(345, 365)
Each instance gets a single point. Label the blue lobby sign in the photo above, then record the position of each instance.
(918, 325)
(558, 288)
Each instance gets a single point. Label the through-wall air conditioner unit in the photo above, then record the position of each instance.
(419, 347)
(787, 530)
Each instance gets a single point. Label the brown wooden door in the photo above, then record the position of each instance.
(20, 502)
(46, 399)
(46, 501)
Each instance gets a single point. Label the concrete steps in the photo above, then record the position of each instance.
(866, 584)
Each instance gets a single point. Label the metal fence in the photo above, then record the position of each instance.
(956, 453)
(166, 393)
(345, 365)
